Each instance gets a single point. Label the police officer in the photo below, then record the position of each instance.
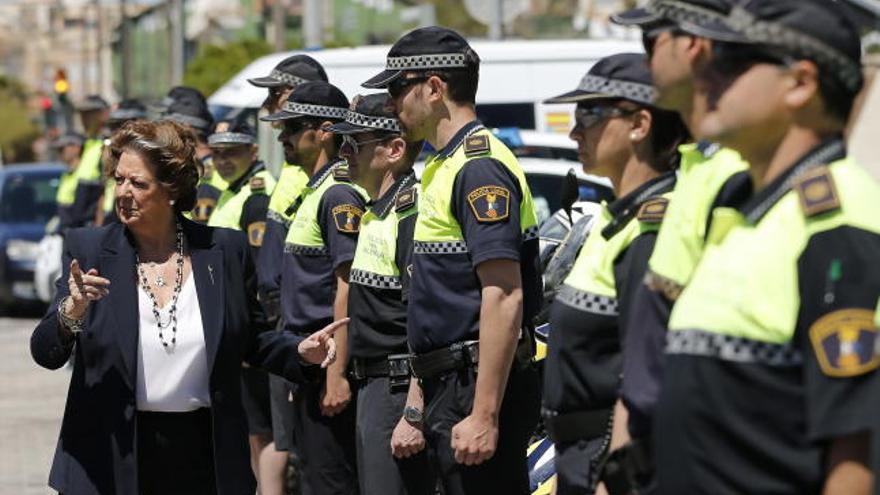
(287, 75)
(82, 206)
(622, 136)
(475, 284)
(318, 252)
(673, 34)
(189, 107)
(770, 381)
(125, 111)
(69, 150)
(380, 160)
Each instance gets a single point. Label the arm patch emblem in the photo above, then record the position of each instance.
(255, 232)
(845, 342)
(347, 218)
(652, 211)
(817, 192)
(490, 203)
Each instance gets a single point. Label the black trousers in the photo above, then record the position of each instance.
(576, 465)
(175, 453)
(449, 398)
(255, 400)
(379, 409)
(325, 444)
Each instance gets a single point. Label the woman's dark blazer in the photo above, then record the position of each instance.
(96, 452)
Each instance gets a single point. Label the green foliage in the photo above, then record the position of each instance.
(18, 130)
(213, 65)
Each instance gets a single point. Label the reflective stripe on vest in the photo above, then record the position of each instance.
(230, 205)
(681, 239)
(743, 301)
(437, 231)
(290, 186)
(304, 235)
(375, 262)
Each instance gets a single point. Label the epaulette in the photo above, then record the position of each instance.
(817, 191)
(476, 145)
(341, 174)
(257, 184)
(652, 210)
(406, 199)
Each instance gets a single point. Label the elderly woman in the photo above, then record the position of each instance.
(160, 312)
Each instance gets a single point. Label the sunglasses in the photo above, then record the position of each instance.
(732, 60)
(399, 85)
(351, 146)
(649, 37)
(295, 126)
(591, 116)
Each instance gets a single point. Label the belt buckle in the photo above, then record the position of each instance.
(357, 369)
(399, 370)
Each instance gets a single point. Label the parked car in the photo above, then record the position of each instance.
(27, 203)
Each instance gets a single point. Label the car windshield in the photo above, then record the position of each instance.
(28, 198)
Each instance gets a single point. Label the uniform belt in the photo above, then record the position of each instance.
(628, 469)
(462, 355)
(395, 366)
(565, 428)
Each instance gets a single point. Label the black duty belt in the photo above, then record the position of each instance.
(565, 428)
(629, 469)
(462, 355)
(396, 367)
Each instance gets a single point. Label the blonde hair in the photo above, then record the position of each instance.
(169, 148)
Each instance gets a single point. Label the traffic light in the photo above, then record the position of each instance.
(61, 84)
(65, 109)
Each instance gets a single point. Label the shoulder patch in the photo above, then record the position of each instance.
(845, 342)
(817, 192)
(490, 203)
(255, 233)
(341, 174)
(476, 145)
(257, 184)
(203, 209)
(653, 210)
(405, 199)
(347, 218)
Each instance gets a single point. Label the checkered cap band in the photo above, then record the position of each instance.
(730, 348)
(448, 247)
(380, 123)
(315, 110)
(300, 250)
(374, 280)
(421, 62)
(683, 12)
(587, 301)
(530, 233)
(127, 114)
(615, 87)
(231, 138)
(848, 71)
(288, 79)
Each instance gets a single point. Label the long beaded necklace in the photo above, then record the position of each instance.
(160, 282)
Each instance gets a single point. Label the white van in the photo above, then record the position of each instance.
(515, 77)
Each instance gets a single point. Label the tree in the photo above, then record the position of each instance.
(213, 65)
(19, 130)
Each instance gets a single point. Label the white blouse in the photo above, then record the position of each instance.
(172, 379)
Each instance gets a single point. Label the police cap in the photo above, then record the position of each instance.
(291, 72)
(318, 99)
(131, 109)
(191, 111)
(696, 17)
(178, 93)
(424, 49)
(368, 113)
(817, 30)
(91, 103)
(623, 76)
(69, 138)
(236, 132)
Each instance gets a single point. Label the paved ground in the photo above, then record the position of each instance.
(31, 404)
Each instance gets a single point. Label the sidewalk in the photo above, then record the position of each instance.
(31, 405)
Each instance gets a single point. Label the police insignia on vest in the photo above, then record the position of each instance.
(255, 232)
(347, 218)
(490, 203)
(817, 192)
(474, 145)
(845, 342)
(652, 211)
(257, 184)
(203, 209)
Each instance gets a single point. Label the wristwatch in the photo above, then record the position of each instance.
(412, 414)
(75, 326)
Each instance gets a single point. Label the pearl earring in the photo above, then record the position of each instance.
(633, 136)
(171, 202)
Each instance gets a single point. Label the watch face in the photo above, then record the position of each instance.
(412, 414)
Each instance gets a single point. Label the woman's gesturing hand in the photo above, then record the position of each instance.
(84, 288)
(320, 347)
